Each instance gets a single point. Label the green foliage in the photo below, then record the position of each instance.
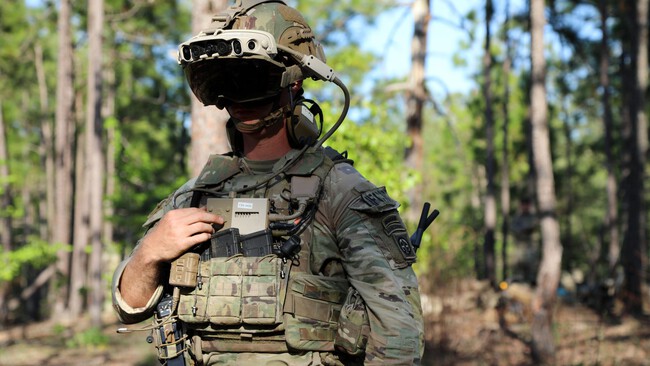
(15, 35)
(151, 112)
(59, 330)
(373, 133)
(149, 167)
(450, 176)
(377, 151)
(90, 338)
(36, 254)
(148, 122)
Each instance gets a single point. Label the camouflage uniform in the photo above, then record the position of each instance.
(355, 261)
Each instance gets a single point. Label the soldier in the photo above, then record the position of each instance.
(279, 253)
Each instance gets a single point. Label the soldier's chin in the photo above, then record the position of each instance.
(246, 114)
(251, 126)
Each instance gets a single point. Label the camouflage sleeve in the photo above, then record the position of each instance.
(125, 313)
(377, 256)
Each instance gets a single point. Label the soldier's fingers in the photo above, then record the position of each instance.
(211, 218)
(191, 215)
(193, 240)
(198, 238)
(201, 215)
(200, 227)
(181, 215)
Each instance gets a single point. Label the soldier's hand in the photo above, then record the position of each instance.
(178, 231)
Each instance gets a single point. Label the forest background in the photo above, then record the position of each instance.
(97, 126)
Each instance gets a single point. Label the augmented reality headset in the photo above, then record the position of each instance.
(234, 66)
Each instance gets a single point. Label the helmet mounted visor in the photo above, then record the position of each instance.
(233, 66)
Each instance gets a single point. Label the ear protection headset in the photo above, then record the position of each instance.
(303, 126)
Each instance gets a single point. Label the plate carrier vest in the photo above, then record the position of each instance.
(262, 300)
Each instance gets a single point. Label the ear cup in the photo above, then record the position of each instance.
(302, 128)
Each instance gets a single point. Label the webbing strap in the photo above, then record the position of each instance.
(245, 344)
(312, 334)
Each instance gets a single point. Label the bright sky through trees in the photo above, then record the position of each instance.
(392, 37)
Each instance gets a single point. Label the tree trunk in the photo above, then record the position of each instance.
(543, 347)
(634, 247)
(79, 265)
(111, 258)
(5, 217)
(208, 131)
(63, 154)
(81, 227)
(475, 202)
(611, 218)
(490, 214)
(505, 165)
(111, 147)
(568, 193)
(47, 152)
(95, 156)
(5, 187)
(415, 99)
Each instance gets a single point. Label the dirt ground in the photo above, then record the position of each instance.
(462, 328)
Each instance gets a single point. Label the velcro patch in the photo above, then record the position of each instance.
(392, 223)
(404, 244)
(374, 201)
(394, 228)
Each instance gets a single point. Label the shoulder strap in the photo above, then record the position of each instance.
(336, 156)
(309, 161)
(218, 169)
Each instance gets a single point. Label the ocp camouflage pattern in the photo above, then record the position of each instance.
(351, 297)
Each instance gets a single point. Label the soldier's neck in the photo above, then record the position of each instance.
(266, 147)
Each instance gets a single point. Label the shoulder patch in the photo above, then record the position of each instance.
(373, 200)
(384, 224)
(395, 229)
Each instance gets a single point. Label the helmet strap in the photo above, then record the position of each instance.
(274, 117)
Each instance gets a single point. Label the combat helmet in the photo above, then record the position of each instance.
(285, 23)
(250, 52)
(246, 53)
